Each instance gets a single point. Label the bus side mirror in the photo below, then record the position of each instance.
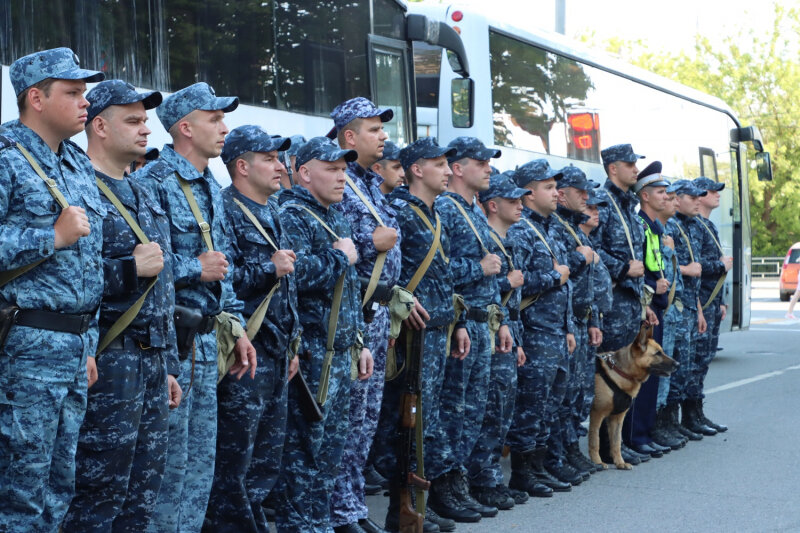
(421, 28)
(763, 166)
(462, 103)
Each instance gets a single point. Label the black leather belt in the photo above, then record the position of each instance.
(478, 315)
(123, 342)
(513, 314)
(207, 324)
(52, 321)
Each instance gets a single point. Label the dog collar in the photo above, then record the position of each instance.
(608, 359)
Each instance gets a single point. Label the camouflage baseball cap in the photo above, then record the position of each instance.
(57, 63)
(685, 186)
(650, 177)
(297, 142)
(572, 176)
(251, 139)
(673, 187)
(197, 96)
(391, 152)
(118, 92)
(597, 197)
(707, 184)
(502, 186)
(619, 152)
(323, 149)
(536, 170)
(359, 107)
(424, 148)
(151, 154)
(473, 148)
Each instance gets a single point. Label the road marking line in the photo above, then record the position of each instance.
(747, 381)
(776, 329)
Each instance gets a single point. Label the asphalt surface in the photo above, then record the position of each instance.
(743, 480)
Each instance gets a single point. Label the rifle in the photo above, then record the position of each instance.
(410, 519)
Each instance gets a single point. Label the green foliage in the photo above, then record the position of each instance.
(758, 76)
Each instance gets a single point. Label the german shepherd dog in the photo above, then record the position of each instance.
(618, 377)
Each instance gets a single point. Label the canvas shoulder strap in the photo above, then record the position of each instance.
(52, 188)
(469, 221)
(541, 238)
(436, 244)
(205, 228)
(130, 314)
(721, 280)
(569, 229)
(380, 259)
(686, 239)
(507, 296)
(622, 220)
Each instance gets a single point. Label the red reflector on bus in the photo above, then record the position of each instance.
(457, 16)
(582, 122)
(584, 142)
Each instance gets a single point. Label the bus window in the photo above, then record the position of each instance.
(708, 164)
(427, 64)
(390, 85)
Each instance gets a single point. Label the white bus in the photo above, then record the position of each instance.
(537, 94)
(290, 63)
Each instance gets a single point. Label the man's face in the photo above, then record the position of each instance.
(626, 172)
(126, 125)
(544, 196)
(64, 109)
(655, 198)
(264, 172)
(325, 180)
(688, 205)
(710, 200)
(594, 216)
(208, 131)
(369, 139)
(671, 205)
(509, 210)
(475, 173)
(392, 173)
(573, 199)
(435, 173)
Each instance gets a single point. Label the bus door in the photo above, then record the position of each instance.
(389, 77)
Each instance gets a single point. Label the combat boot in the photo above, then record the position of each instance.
(445, 525)
(461, 491)
(523, 478)
(720, 428)
(580, 461)
(492, 497)
(537, 466)
(562, 471)
(446, 504)
(518, 496)
(691, 420)
(661, 434)
(675, 420)
(373, 481)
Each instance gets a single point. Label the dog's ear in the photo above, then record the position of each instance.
(645, 333)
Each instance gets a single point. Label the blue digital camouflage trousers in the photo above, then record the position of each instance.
(251, 424)
(622, 323)
(705, 350)
(42, 404)
(347, 503)
(122, 448)
(541, 386)
(183, 497)
(672, 318)
(684, 353)
(580, 384)
(466, 387)
(483, 464)
(436, 445)
(313, 451)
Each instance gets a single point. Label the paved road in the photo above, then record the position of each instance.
(743, 480)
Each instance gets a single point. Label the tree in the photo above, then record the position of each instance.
(761, 83)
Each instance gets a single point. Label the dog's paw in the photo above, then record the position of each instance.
(603, 465)
(624, 466)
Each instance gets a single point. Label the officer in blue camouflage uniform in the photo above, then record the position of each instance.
(475, 273)
(573, 192)
(427, 172)
(288, 157)
(548, 339)
(390, 168)
(715, 267)
(502, 202)
(685, 233)
(358, 125)
(664, 431)
(43, 358)
(251, 414)
(122, 449)
(313, 450)
(194, 118)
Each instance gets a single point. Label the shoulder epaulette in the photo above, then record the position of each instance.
(74, 146)
(5, 142)
(158, 170)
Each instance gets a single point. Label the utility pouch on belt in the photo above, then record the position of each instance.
(7, 315)
(187, 325)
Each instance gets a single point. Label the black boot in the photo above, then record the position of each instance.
(691, 419)
(374, 483)
(461, 491)
(492, 497)
(580, 461)
(523, 478)
(678, 424)
(445, 525)
(446, 504)
(536, 463)
(720, 428)
(673, 423)
(518, 496)
(661, 434)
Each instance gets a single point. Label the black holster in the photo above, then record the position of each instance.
(306, 399)
(7, 315)
(187, 325)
